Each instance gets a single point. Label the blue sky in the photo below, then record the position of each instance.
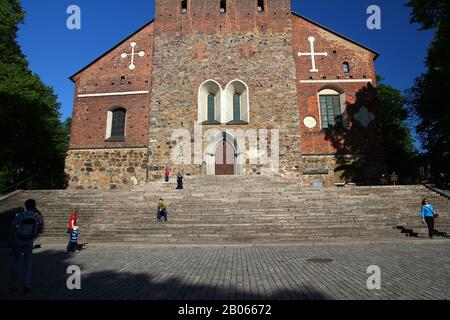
(55, 52)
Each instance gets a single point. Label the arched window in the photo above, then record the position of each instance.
(209, 103)
(332, 108)
(237, 104)
(346, 67)
(223, 6)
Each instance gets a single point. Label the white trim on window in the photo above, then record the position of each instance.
(202, 105)
(245, 102)
(109, 124)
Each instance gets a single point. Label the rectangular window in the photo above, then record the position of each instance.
(183, 6)
(118, 123)
(260, 5)
(237, 107)
(330, 108)
(223, 6)
(122, 81)
(211, 107)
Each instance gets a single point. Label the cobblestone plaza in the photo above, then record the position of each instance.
(409, 270)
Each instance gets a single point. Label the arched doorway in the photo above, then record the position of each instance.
(225, 158)
(224, 155)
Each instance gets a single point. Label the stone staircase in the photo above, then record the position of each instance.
(230, 209)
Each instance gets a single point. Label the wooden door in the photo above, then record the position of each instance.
(224, 159)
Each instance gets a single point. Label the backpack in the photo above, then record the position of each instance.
(27, 229)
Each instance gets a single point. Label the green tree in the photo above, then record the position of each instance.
(33, 137)
(397, 140)
(428, 97)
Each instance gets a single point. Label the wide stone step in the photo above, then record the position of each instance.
(212, 209)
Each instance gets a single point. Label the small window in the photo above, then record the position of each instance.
(260, 5)
(223, 6)
(118, 123)
(183, 6)
(346, 67)
(122, 81)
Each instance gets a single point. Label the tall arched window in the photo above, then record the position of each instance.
(116, 124)
(237, 104)
(209, 103)
(332, 106)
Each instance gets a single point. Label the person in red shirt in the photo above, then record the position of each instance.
(166, 173)
(73, 220)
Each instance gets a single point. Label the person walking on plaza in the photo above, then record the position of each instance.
(428, 217)
(179, 180)
(162, 210)
(25, 228)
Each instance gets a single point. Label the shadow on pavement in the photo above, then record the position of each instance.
(50, 275)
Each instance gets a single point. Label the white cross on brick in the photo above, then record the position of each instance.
(124, 55)
(313, 54)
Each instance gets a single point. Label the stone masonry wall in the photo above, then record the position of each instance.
(350, 168)
(107, 168)
(261, 59)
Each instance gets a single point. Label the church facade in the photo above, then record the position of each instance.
(211, 79)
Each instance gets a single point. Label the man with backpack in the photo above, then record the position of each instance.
(25, 228)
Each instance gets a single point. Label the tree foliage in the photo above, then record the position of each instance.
(397, 140)
(429, 96)
(34, 140)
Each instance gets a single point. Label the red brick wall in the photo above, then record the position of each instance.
(89, 118)
(357, 139)
(205, 16)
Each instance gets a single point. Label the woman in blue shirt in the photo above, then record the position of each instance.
(428, 215)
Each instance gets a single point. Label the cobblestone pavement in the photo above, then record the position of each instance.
(409, 270)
